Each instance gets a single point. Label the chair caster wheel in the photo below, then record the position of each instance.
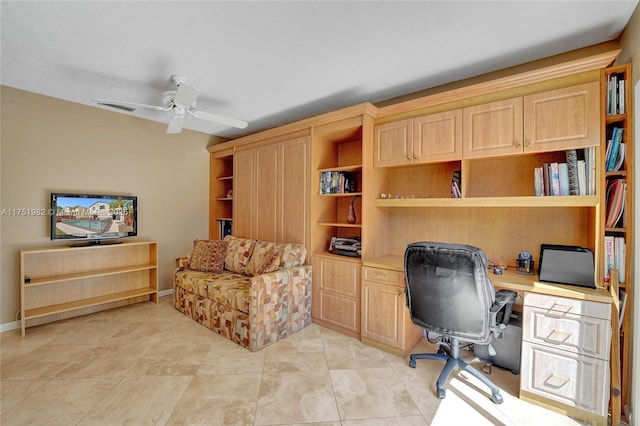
(441, 393)
(441, 351)
(412, 363)
(497, 398)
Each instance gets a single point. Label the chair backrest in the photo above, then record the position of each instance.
(448, 290)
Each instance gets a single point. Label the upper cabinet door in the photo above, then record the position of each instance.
(265, 213)
(492, 129)
(562, 119)
(438, 137)
(294, 192)
(393, 144)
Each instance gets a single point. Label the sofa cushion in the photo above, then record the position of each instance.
(232, 293)
(265, 258)
(208, 255)
(238, 254)
(292, 255)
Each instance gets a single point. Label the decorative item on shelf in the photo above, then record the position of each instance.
(230, 193)
(351, 213)
(524, 263)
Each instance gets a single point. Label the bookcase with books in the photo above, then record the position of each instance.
(220, 193)
(617, 219)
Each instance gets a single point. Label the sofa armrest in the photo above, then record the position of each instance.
(182, 262)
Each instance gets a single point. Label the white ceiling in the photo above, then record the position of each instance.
(272, 63)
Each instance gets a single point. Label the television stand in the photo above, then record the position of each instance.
(96, 243)
(65, 282)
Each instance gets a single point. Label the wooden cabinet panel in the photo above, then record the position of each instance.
(393, 144)
(341, 311)
(338, 277)
(438, 137)
(493, 129)
(575, 333)
(293, 192)
(266, 190)
(572, 379)
(562, 119)
(243, 193)
(382, 313)
(271, 194)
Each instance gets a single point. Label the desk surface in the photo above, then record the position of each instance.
(511, 280)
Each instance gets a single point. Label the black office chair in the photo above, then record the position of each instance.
(448, 291)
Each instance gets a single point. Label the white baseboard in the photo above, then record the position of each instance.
(16, 324)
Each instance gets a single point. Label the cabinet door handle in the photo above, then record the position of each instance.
(408, 157)
(556, 382)
(561, 308)
(518, 144)
(528, 144)
(566, 335)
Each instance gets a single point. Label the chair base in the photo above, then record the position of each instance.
(450, 356)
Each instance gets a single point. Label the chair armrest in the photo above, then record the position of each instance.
(500, 312)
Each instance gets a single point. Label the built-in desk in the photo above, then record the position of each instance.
(566, 342)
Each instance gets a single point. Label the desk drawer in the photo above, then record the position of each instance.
(576, 333)
(573, 379)
(384, 276)
(570, 306)
(338, 277)
(341, 311)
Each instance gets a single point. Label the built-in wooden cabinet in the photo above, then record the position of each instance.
(271, 194)
(434, 137)
(336, 293)
(62, 282)
(616, 256)
(386, 321)
(547, 121)
(565, 355)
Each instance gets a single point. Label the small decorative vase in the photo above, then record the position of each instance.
(351, 213)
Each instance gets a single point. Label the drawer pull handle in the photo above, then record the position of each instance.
(338, 310)
(560, 332)
(338, 277)
(556, 382)
(562, 308)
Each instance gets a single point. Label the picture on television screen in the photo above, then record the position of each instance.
(85, 216)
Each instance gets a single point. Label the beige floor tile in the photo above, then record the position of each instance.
(299, 352)
(368, 393)
(107, 361)
(45, 362)
(172, 359)
(226, 357)
(138, 401)
(14, 391)
(59, 402)
(346, 352)
(218, 400)
(391, 421)
(296, 397)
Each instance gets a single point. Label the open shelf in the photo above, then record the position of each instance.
(493, 202)
(82, 275)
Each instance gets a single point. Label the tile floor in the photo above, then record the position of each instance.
(148, 364)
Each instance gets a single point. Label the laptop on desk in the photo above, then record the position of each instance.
(572, 265)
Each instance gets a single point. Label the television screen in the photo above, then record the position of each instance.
(93, 217)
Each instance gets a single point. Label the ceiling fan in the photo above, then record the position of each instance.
(182, 102)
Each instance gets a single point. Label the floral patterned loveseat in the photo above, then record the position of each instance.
(252, 292)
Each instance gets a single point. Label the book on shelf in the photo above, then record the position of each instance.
(224, 227)
(590, 166)
(334, 182)
(538, 182)
(615, 199)
(582, 177)
(623, 306)
(615, 94)
(572, 170)
(609, 244)
(613, 146)
(554, 178)
(563, 177)
(620, 252)
(456, 184)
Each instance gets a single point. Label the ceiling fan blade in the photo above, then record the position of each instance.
(175, 125)
(128, 106)
(186, 95)
(221, 119)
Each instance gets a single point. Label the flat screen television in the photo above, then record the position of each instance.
(94, 218)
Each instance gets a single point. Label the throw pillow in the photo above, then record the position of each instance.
(238, 254)
(208, 255)
(265, 258)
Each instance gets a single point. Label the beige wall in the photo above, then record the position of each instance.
(52, 145)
